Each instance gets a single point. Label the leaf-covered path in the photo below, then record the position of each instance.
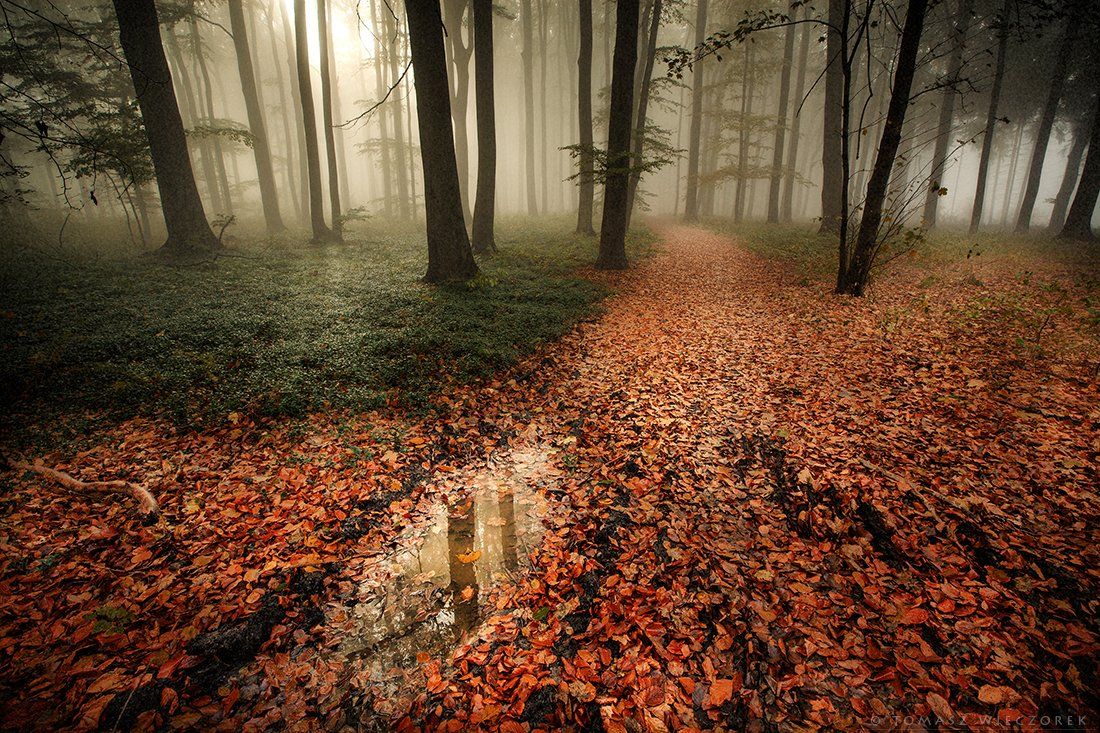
(762, 506)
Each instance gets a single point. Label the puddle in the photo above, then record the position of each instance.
(427, 596)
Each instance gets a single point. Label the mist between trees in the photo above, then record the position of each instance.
(876, 119)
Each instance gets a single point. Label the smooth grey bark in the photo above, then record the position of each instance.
(321, 232)
(449, 254)
(184, 218)
(296, 98)
(990, 122)
(405, 192)
(385, 156)
(743, 136)
(643, 87)
(796, 123)
(586, 184)
(337, 114)
(780, 127)
(834, 179)
(326, 119)
(485, 199)
(528, 106)
(695, 130)
(617, 179)
(459, 54)
(261, 150)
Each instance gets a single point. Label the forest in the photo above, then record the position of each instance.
(539, 365)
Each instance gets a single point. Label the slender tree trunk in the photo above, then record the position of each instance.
(691, 197)
(643, 108)
(265, 172)
(1069, 179)
(449, 254)
(679, 158)
(192, 114)
(337, 114)
(1079, 218)
(289, 142)
(459, 55)
(528, 106)
(743, 136)
(321, 232)
(796, 123)
(485, 202)
(327, 121)
(543, 145)
(780, 126)
(385, 151)
(208, 97)
(947, 113)
(990, 123)
(1010, 182)
(1046, 122)
(296, 98)
(405, 193)
(184, 218)
(833, 178)
(613, 230)
(867, 239)
(586, 183)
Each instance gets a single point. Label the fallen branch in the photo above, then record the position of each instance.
(148, 504)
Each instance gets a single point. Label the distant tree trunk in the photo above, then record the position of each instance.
(613, 230)
(449, 254)
(1046, 122)
(586, 183)
(990, 122)
(867, 239)
(192, 114)
(643, 108)
(743, 136)
(1010, 181)
(265, 172)
(385, 152)
(459, 55)
(296, 98)
(485, 202)
(208, 96)
(405, 192)
(1069, 179)
(337, 114)
(284, 109)
(1079, 218)
(543, 54)
(833, 178)
(321, 232)
(780, 126)
(327, 121)
(695, 130)
(184, 218)
(528, 106)
(947, 113)
(796, 123)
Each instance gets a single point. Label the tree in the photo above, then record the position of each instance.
(485, 201)
(1046, 122)
(695, 131)
(853, 279)
(449, 254)
(528, 106)
(459, 53)
(1079, 218)
(644, 82)
(587, 185)
(617, 177)
(990, 120)
(184, 218)
(947, 113)
(834, 180)
(326, 118)
(1069, 178)
(265, 172)
(781, 126)
(321, 232)
(796, 124)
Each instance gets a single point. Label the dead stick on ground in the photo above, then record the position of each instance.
(142, 496)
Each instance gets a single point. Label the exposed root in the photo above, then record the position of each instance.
(149, 506)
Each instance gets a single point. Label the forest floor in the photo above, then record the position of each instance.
(732, 501)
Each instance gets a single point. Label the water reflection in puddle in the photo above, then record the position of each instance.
(429, 596)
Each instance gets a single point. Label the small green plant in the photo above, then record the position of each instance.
(110, 619)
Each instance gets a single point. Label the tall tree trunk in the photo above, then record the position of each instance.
(695, 130)
(405, 193)
(459, 55)
(449, 255)
(833, 178)
(780, 126)
(485, 201)
(613, 230)
(1046, 122)
(544, 53)
(867, 239)
(321, 232)
(211, 116)
(326, 118)
(265, 172)
(587, 186)
(528, 106)
(296, 98)
(743, 136)
(385, 151)
(947, 114)
(192, 115)
(337, 114)
(289, 142)
(1079, 218)
(1069, 179)
(796, 123)
(990, 122)
(643, 108)
(184, 218)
